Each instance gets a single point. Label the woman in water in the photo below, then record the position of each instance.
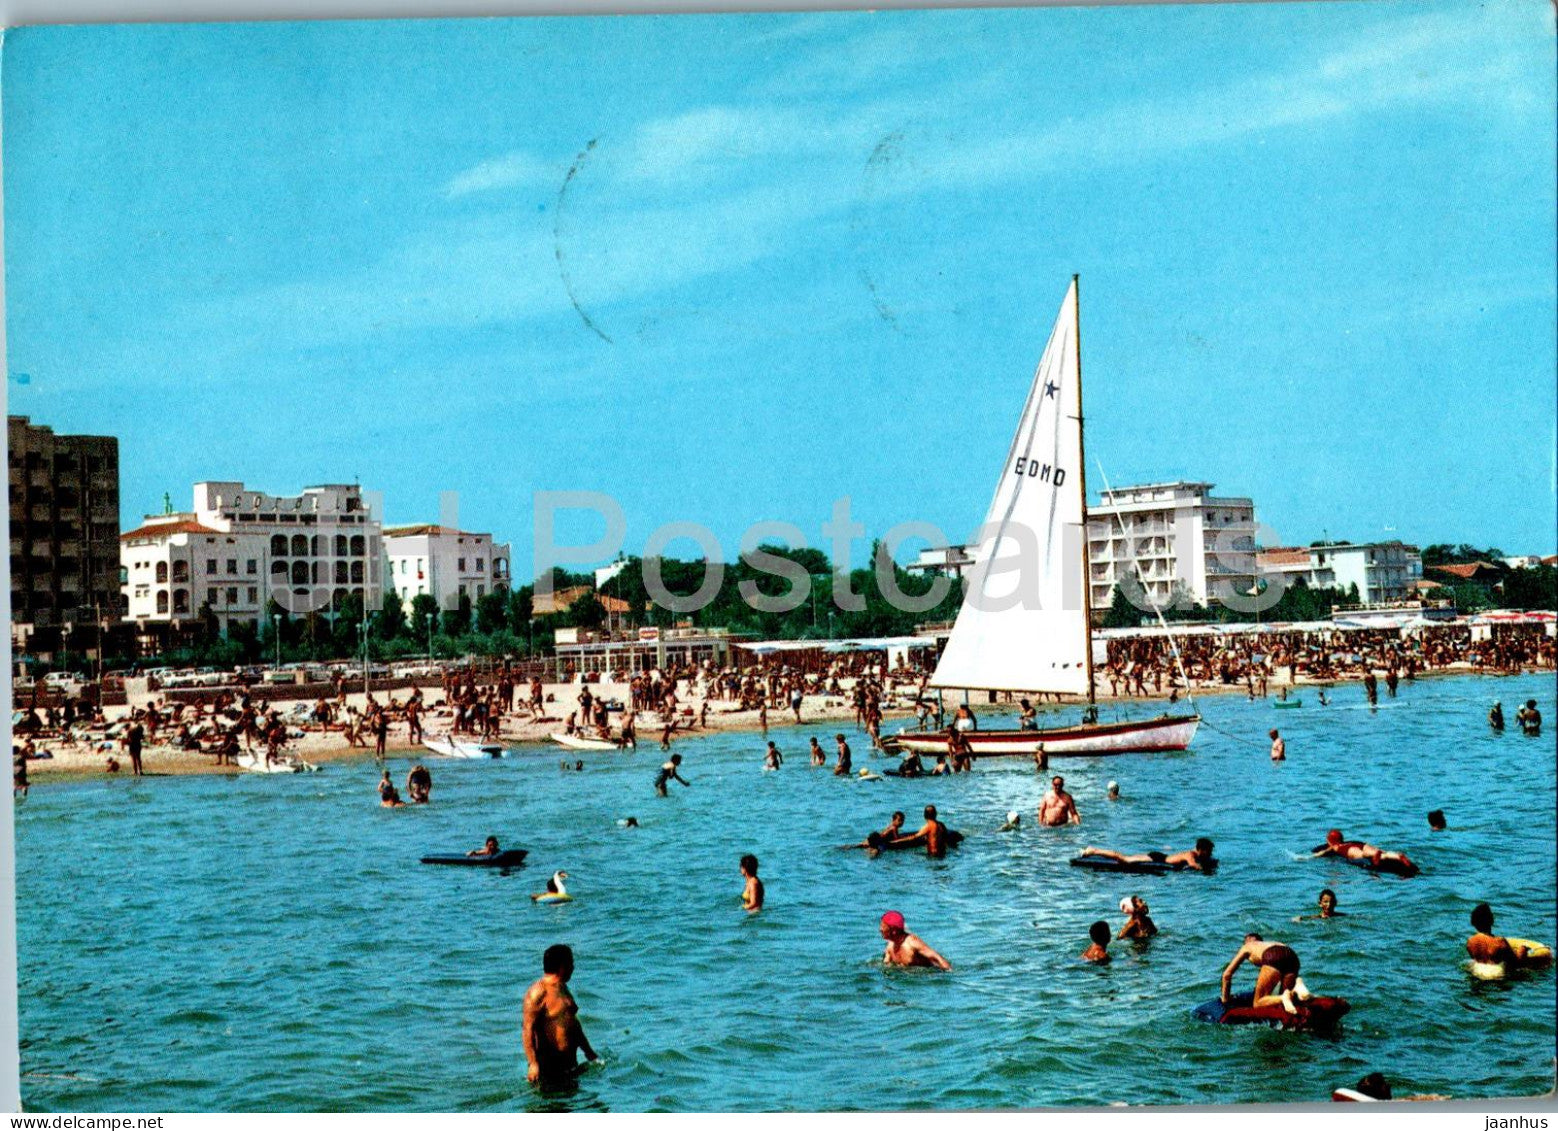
(1138, 924)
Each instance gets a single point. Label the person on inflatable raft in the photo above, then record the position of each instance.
(1369, 854)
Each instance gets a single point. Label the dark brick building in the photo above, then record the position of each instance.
(64, 523)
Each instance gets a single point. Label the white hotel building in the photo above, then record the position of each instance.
(1382, 571)
(445, 563)
(238, 548)
(1171, 535)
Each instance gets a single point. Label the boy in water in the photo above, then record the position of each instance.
(752, 894)
(668, 773)
(1138, 924)
(1098, 950)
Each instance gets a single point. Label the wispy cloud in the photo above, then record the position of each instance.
(507, 171)
(717, 188)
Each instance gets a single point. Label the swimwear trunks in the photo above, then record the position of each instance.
(1280, 958)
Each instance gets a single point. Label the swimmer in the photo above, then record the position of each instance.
(1496, 716)
(554, 888)
(1279, 748)
(1436, 821)
(1335, 845)
(904, 949)
(1098, 950)
(1324, 702)
(818, 757)
(1138, 924)
(419, 785)
(388, 797)
(1327, 907)
(1112, 791)
(668, 774)
(1485, 946)
(894, 830)
(932, 834)
(628, 823)
(1057, 806)
(1013, 819)
(1277, 983)
(773, 759)
(1029, 719)
(489, 848)
(1198, 858)
(551, 1034)
(752, 893)
(1529, 718)
(843, 767)
(1040, 758)
(873, 844)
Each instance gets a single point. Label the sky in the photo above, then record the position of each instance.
(732, 268)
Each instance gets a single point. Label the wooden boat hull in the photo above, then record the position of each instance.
(1170, 732)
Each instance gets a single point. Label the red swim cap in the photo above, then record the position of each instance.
(893, 920)
(1334, 837)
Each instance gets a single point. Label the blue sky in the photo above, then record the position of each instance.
(729, 268)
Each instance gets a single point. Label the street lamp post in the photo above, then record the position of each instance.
(429, 618)
(530, 638)
(276, 620)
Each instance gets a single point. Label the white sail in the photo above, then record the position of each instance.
(1023, 623)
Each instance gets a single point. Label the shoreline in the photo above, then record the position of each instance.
(529, 735)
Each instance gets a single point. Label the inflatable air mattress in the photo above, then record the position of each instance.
(1318, 1014)
(509, 858)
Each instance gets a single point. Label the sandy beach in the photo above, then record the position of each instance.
(520, 730)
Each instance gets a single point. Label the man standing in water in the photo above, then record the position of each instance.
(1058, 807)
(904, 949)
(1279, 749)
(552, 1036)
(1529, 718)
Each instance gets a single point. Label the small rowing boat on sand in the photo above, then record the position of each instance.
(449, 748)
(582, 742)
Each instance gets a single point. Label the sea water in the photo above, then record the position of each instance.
(271, 942)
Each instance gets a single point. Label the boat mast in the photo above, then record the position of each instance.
(1087, 576)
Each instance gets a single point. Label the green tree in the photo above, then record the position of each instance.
(391, 621)
(1532, 588)
(492, 612)
(423, 606)
(586, 612)
(521, 607)
(457, 621)
(1121, 613)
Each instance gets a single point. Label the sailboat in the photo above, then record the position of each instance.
(1026, 621)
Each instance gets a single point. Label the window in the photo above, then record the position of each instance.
(299, 545)
(461, 565)
(210, 565)
(232, 566)
(481, 565)
(278, 545)
(162, 575)
(462, 588)
(162, 600)
(254, 595)
(232, 596)
(254, 567)
(481, 591)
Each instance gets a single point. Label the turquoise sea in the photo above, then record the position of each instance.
(271, 942)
